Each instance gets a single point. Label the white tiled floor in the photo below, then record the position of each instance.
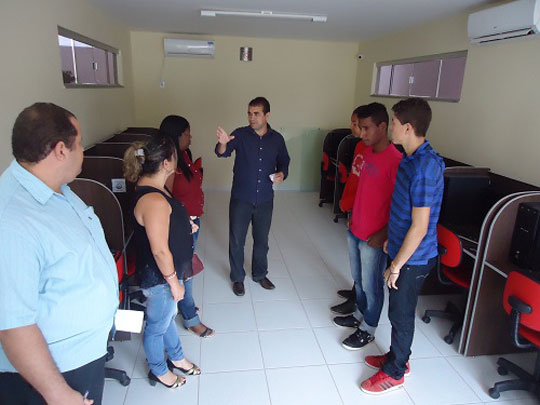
(280, 347)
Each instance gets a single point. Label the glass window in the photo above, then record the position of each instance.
(438, 77)
(86, 62)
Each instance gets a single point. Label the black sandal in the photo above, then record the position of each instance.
(153, 380)
(194, 370)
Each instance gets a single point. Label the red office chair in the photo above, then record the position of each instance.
(522, 302)
(449, 273)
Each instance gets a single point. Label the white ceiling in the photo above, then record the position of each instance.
(347, 19)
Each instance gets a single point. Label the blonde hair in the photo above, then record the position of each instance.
(145, 158)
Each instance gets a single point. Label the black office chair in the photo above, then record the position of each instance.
(107, 208)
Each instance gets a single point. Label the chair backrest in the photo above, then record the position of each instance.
(106, 207)
(452, 245)
(527, 290)
(115, 149)
(127, 137)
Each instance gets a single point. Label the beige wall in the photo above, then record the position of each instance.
(496, 122)
(310, 86)
(30, 68)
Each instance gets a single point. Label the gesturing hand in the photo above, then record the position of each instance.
(279, 177)
(223, 137)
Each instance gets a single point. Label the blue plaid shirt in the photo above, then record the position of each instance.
(419, 183)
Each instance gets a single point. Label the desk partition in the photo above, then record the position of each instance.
(486, 328)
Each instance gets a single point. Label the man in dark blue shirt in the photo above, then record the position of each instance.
(261, 159)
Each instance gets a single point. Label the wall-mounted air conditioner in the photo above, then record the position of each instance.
(516, 19)
(188, 47)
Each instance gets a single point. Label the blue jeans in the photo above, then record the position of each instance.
(367, 270)
(401, 312)
(187, 305)
(160, 332)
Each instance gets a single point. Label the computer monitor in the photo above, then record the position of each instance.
(465, 201)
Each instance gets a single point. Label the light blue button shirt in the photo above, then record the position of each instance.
(56, 270)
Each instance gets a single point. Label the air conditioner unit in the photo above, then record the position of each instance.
(516, 19)
(188, 47)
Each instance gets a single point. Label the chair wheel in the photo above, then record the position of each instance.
(449, 339)
(125, 381)
(493, 393)
(426, 319)
(320, 204)
(502, 371)
(336, 220)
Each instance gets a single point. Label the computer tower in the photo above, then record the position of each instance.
(525, 247)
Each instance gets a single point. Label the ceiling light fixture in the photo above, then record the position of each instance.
(265, 14)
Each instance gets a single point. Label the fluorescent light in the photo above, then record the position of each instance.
(264, 14)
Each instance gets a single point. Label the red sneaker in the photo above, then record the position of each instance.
(380, 383)
(378, 361)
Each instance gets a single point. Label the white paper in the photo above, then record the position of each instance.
(129, 321)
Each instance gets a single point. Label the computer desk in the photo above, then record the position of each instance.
(486, 326)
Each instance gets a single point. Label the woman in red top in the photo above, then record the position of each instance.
(186, 184)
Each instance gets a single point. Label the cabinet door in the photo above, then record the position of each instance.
(425, 77)
(401, 75)
(452, 71)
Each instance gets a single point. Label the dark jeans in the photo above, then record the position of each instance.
(401, 312)
(240, 215)
(14, 390)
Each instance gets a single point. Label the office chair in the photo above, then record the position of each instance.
(345, 156)
(449, 273)
(521, 301)
(108, 210)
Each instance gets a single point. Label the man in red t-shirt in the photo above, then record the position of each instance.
(368, 226)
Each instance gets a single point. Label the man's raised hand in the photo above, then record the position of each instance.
(223, 137)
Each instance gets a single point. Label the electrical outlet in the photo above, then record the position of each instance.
(162, 84)
(118, 185)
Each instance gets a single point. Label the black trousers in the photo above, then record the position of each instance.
(401, 312)
(14, 390)
(241, 214)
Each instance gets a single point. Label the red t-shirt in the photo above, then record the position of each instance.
(190, 192)
(349, 192)
(371, 208)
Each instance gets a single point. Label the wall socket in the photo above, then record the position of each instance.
(118, 185)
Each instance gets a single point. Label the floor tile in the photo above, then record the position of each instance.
(334, 353)
(280, 315)
(348, 378)
(435, 381)
(315, 287)
(284, 290)
(318, 311)
(218, 289)
(191, 346)
(289, 348)
(421, 347)
(231, 352)
(480, 373)
(230, 317)
(113, 393)
(140, 392)
(234, 388)
(125, 354)
(305, 385)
